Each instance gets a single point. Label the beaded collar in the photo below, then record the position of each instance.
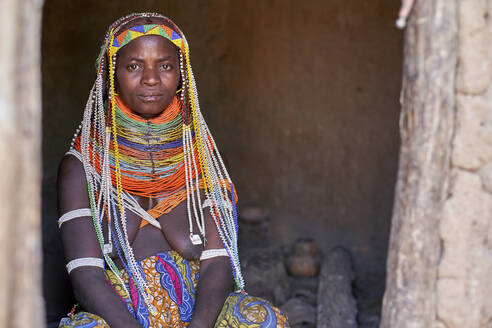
(150, 152)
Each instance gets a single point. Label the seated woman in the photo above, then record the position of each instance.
(147, 209)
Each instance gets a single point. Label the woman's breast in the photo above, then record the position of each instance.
(173, 235)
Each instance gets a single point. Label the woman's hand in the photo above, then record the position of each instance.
(214, 285)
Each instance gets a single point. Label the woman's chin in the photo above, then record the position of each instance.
(151, 110)
(149, 114)
(151, 99)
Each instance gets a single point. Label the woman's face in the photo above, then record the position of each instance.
(147, 74)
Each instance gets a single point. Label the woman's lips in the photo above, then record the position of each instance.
(150, 98)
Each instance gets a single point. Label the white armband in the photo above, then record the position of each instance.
(211, 253)
(85, 261)
(73, 215)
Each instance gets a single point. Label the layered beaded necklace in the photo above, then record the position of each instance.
(150, 152)
(171, 156)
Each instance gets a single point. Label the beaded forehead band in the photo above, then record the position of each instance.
(134, 32)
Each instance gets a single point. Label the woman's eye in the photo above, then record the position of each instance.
(166, 67)
(132, 67)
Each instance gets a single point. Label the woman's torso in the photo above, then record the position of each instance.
(149, 240)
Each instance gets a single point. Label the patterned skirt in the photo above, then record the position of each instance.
(172, 282)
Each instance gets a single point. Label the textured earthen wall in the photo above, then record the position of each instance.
(301, 96)
(463, 287)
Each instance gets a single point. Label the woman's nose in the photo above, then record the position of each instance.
(150, 76)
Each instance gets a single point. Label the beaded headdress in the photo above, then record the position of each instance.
(97, 145)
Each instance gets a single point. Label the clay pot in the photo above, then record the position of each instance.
(304, 261)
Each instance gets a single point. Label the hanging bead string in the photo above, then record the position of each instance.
(91, 181)
(105, 179)
(104, 133)
(194, 107)
(132, 263)
(184, 89)
(229, 235)
(130, 259)
(213, 171)
(197, 189)
(192, 197)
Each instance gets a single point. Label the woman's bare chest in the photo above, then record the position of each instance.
(146, 239)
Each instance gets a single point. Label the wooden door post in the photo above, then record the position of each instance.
(426, 126)
(20, 164)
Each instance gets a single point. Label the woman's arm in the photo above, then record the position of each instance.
(215, 281)
(79, 241)
(214, 285)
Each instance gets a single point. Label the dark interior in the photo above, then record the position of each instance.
(301, 97)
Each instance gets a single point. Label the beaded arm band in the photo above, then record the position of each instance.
(73, 215)
(85, 261)
(211, 253)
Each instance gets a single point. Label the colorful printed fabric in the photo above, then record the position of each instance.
(244, 311)
(84, 320)
(172, 281)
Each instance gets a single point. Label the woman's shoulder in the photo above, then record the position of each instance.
(70, 168)
(72, 183)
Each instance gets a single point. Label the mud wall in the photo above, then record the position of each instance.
(463, 283)
(302, 98)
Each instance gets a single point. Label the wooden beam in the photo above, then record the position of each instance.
(426, 125)
(21, 302)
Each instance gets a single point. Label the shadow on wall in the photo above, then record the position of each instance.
(302, 98)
